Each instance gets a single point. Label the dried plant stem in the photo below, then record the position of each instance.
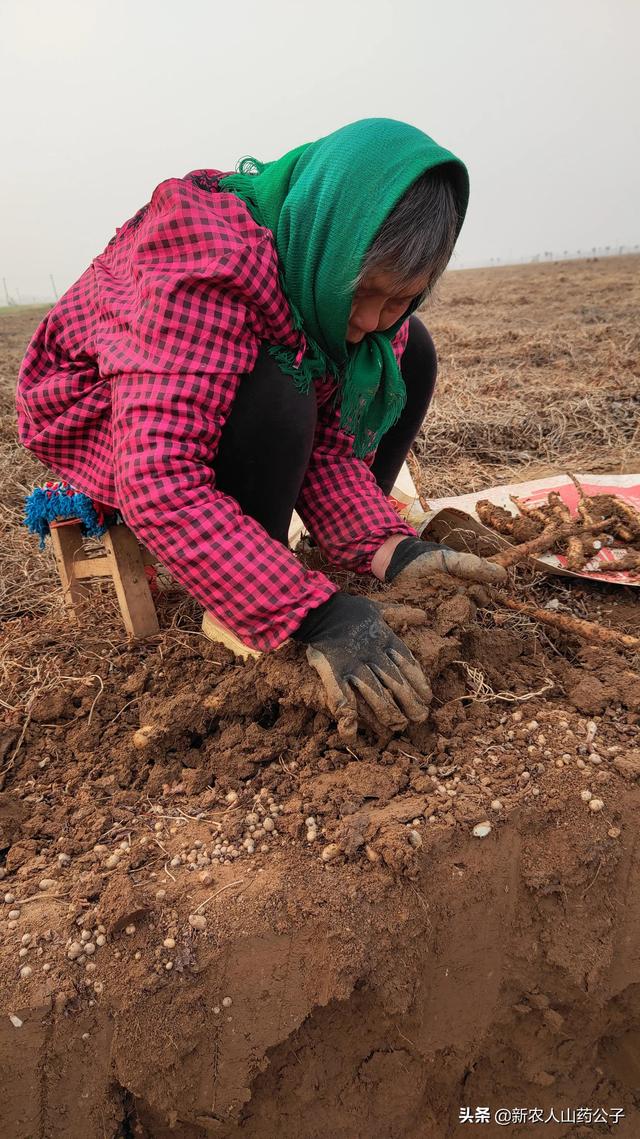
(228, 886)
(482, 692)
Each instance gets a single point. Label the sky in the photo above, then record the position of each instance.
(100, 100)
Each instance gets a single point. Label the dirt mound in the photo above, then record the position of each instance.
(231, 923)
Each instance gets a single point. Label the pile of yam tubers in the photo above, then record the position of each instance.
(602, 520)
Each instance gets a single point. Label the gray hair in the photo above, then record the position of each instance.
(418, 236)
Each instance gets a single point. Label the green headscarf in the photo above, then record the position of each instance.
(324, 203)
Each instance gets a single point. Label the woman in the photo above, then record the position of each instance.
(245, 346)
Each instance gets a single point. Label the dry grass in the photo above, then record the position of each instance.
(539, 368)
(28, 580)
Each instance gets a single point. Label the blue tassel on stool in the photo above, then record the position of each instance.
(56, 501)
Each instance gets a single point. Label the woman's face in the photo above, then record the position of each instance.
(379, 303)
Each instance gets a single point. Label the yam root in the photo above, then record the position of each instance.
(629, 562)
(533, 513)
(503, 522)
(576, 556)
(574, 626)
(620, 530)
(584, 511)
(628, 517)
(630, 514)
(558, 507)
(597, 505)
(558, 532)
(494, 516)
(601, 519)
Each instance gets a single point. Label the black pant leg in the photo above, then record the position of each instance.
(267, 440)
(419, 367)
(266, 445)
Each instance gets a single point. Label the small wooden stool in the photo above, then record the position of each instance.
(122, 560)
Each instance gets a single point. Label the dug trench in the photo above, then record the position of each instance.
(219, 919)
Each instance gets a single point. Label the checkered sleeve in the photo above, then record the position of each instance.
(175, 371)
(165, 435)
(341, 503)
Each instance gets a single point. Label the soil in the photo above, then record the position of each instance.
(414, 970)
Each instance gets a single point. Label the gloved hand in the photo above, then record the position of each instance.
(354, 651)
(414, 561)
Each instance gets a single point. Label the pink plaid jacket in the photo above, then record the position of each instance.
(127, 384)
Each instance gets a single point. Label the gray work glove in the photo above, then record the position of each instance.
(414, 561)
(355, 652)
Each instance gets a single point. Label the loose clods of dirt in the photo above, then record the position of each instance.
(216, 918)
